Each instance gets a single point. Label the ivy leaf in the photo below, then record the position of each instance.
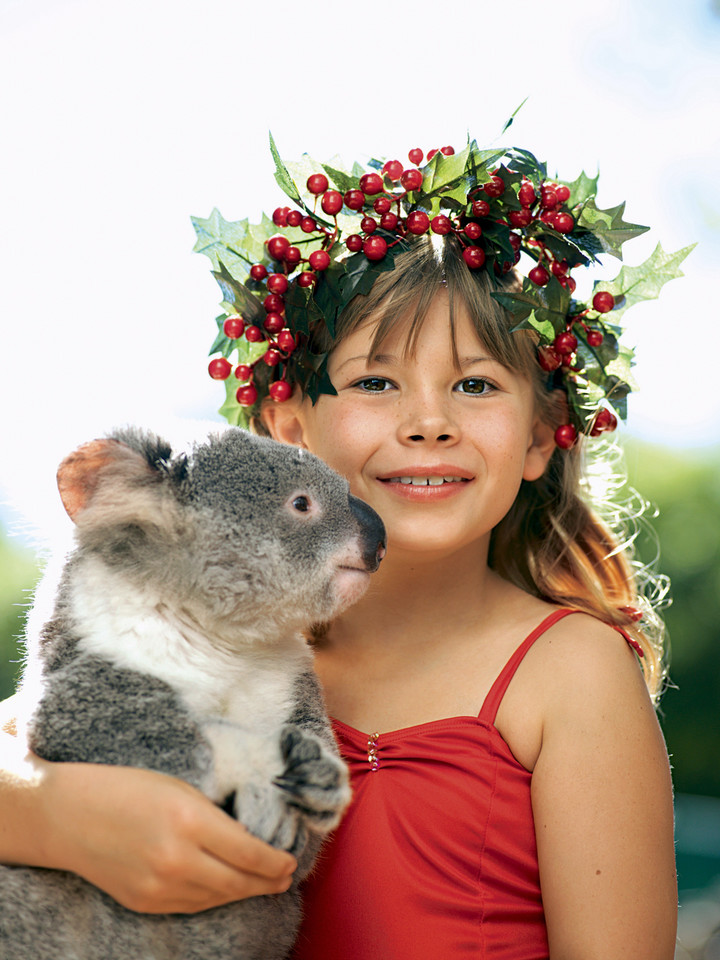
(608, 226)
(643, 282)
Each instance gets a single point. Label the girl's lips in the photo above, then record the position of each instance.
(424, 486)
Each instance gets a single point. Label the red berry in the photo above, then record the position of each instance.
(548, 358)
(277, 246)
(568, 282)
(411, 179)
(243, 372)
(603, 301)
(566, 436)
(286, 341)
(317, 183)
(319, 260)
(307, 225)
(272, 356)
(292, 256)
(548, 198)
(389, 221)
(294, 218)
(539, 275)
(495, 187)
(565, 343)
(274, 303)
(415, 155)
(441, 224)
(233, 327)
(277, 283)
(368, 224)
(306, 279)
(473, 230)
(431, 153)
(563, 193)
(254, 334)
(219, 368)
(520, 218)
(382, 205)
(605, 422)
(548, 216)
(279, 216)
(354, 242)
(526, 194)
(273, 323)
(480, 208)
(515, 242)
(474, 257)
(448, 151)
(594, 338)
(374, 248)
(246, 396)
(280, 391)
(563, 223)
(258, 271)
(417, 222)
(354, 199)
(559, 268)
(332, 202)
(393, 170)
(371, 183)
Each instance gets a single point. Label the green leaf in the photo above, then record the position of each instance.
(512, 116)
(608, 226)
(581, 189)
(217, 237)
(526, 163)
(282, 175)
(343, 181)
(237, 295)
(644, 282)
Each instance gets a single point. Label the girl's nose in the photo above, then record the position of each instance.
(430, 423)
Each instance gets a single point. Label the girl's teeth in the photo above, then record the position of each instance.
(425, 481)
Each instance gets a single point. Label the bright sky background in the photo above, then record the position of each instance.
(120, 120)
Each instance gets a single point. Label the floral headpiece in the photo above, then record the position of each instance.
(283, 277)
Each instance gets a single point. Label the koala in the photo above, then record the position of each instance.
(175, 644)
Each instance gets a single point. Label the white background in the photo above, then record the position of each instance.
(120, 120)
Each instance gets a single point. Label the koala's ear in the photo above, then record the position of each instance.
(79, 474)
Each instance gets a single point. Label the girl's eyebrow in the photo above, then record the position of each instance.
(378, 358)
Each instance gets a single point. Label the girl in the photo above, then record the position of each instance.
(512, 791)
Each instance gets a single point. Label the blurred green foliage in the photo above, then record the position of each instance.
(685, 487)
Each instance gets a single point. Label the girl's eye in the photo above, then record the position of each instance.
(374, 384)
(477, 386)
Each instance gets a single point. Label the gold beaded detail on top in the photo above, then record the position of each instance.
(372, 752)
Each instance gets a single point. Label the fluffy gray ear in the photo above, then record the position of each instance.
(80, 474)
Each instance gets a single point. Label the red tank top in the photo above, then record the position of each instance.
(436, 857)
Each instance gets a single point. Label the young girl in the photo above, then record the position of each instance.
(512, 795)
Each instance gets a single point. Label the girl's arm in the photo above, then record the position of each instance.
(152, 842)
(602, 802)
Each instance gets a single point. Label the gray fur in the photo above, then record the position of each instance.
(174, 645)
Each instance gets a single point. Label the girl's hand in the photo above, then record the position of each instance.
(152, 842)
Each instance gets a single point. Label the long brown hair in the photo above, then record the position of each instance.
(557, 542)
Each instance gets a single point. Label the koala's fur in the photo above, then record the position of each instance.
(175, 645)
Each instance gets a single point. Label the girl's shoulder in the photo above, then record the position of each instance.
(580, 675)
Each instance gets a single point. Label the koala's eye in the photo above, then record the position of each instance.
(301, 504)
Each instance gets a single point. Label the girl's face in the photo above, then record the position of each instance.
(438, 450)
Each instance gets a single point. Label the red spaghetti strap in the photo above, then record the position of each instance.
(497, 691)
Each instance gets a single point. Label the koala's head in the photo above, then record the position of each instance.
(244, 534)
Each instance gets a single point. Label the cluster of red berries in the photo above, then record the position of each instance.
(562, 353)
(280, 344)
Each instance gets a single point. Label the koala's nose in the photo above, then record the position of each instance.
(372, 533)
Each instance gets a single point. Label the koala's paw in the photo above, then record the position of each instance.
(267, 815)
(314, 780)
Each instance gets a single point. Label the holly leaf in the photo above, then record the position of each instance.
(527, 164)
(283, 177)
(581, 189)
(343, 181)
(236, 294)
(608, 226)
(217, 237)
(512, 116)
(644, 282)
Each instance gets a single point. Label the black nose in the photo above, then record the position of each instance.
(372, 533)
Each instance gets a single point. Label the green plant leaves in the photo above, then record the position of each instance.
(608, 226)
(644, 282)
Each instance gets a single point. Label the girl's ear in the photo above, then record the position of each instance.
(283, 420)
(540, 449)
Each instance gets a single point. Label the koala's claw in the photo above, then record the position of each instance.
(314, 780)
